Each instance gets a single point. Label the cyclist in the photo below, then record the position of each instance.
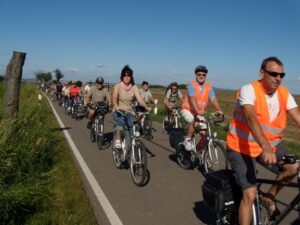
(96, 94)
(196, 100)
(74, 92)
(66, 93)
(74, 89)
(87, 87)
(256, 132)
(59, 88)
(171, 99)
(146, 94)
(122, 96)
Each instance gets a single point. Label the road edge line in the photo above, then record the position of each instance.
(101, 197)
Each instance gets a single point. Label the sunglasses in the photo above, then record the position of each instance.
(201, 74)
(274, 74)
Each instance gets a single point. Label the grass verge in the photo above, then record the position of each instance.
(39, 182)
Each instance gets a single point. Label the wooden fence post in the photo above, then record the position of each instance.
(13, 79)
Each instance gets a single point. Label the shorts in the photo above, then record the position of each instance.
(244, 166)
(187, 116)
(122, 120)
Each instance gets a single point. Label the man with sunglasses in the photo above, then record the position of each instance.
(195, 102)
(255, 134)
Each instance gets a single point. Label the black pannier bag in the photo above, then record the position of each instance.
(176, 136)
(220, 190)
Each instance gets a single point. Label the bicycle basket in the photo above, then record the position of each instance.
(102, 108)
(176, 135)
(139, 109)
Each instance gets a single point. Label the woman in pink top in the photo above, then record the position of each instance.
(123, 110)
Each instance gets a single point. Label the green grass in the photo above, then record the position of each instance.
(39, 183)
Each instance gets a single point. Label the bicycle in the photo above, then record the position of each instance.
(144, 122)
(77, 108)
(173, 120)
(133, 154)
(209, 153)
(59, 98)
(97, 129)
(229, 213)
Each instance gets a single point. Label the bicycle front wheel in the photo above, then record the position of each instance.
(117, 155)
(99, 134)
(138, 163)
(215, 157)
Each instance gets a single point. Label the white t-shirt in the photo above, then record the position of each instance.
(87, 88)
(247, 96)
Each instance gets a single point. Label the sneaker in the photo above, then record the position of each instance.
(188, 145)
(118, 144)
(165, 131)
(89, 125)
(268, 202)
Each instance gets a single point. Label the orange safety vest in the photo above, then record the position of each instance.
(240, 138)
(201, 98)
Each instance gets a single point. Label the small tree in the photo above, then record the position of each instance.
(1, 78)
(58, 74)
(43, 76)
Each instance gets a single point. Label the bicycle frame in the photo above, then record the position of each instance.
(208, 139)
(295, 203)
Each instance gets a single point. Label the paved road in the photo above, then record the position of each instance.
(172, 197)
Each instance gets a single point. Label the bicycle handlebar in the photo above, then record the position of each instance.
(210, 117)
(289, 159)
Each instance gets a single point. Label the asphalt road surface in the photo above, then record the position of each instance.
(172, 196)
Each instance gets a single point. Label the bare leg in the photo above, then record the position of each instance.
(288, 173)
(245, 210)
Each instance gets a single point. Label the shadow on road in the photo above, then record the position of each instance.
(61, 128)
(204, 213)
(150, 153)
(172, 157)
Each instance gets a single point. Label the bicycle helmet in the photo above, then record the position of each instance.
(201, 68)
(99, 80)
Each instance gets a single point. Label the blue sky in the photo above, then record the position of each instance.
(161, 40)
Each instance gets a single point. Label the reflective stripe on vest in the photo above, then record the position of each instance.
(240, 137)
(200, 98)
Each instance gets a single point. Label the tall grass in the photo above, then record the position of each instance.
(32, 174)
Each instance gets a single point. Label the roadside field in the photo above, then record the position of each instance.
(227, 102)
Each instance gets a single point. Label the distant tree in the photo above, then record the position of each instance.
(48, 77)
(43, 76)
(58, 74)
(182, 86)
(1, 78)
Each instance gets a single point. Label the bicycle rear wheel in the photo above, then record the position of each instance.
(147, 128)
(138, 164)
(215, 157)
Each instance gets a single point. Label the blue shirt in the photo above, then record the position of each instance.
(191, 90)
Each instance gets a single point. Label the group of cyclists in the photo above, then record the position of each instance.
(255, 131)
